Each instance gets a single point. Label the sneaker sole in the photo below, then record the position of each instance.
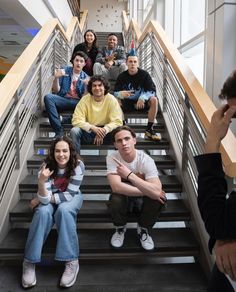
(150, 138)
(147, 249)
(117, 247)
(73, 281)
(29, 285)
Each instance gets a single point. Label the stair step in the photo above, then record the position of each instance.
(99, 184)
(96, 211)
(95, 244)
(138, 128)
(98, 162)
(135, 114)
(118, 277)
(102, 38)
(141, 144)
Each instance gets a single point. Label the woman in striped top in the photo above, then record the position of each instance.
(58, 201)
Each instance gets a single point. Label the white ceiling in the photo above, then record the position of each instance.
(14, 37)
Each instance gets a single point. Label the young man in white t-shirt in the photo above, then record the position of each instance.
(136, 187)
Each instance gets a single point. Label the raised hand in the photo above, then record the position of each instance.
(59, 73)
(45, 173)
(219, 126)
(121, 169)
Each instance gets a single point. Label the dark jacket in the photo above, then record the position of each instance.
(92, 53)
(218, 210)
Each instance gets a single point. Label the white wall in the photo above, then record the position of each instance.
(220, 45)
(43, 10)
(104, 15)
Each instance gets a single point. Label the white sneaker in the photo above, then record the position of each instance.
(117, 239)
(28, 275)
(70, 273)
(145, 239)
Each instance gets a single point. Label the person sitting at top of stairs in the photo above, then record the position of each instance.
(136, 90)
(70, 84)
(111, 59)
(58, 201)
(96, 115)
(90, 48)
(136, 187)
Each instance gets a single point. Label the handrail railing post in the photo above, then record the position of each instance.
(185, 135)
(17, 134)
(164, 89)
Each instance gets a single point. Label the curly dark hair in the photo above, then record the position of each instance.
(95, 37)
(79, 53)
(229, 87)
(73, 160)
(98, 78)
(121, 128)
(112, 34)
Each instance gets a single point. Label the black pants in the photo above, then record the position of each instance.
(146, 209)
(219, 282)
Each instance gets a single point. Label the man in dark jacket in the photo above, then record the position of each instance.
(218, 205)
(136, 91)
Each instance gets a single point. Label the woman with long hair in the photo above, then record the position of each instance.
(89, 47)
(58, 201)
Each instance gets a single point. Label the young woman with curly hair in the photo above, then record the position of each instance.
(58, 201)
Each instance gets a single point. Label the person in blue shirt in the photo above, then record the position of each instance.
(69, 85)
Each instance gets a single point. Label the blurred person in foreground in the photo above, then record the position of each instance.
(216, 203)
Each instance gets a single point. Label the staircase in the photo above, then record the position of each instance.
(102, 38)
(172, 266)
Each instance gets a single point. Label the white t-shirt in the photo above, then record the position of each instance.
(142, 164)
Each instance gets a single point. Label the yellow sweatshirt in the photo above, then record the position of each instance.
(89, 113)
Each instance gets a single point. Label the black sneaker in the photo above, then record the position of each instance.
(152, 135)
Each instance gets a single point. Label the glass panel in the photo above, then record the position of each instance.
(194, 57)
(192, 19)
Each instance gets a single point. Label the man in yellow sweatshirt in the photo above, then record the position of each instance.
(96, 115)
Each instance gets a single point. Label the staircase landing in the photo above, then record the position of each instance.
(99, 277)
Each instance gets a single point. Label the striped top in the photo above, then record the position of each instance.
(62, 188)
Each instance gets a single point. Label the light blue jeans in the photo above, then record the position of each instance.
(64, 216)
(55, 104)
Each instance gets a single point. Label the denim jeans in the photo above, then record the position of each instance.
(64, 216)
(79, 136)
(55, 104)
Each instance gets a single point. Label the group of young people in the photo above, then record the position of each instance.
(97, 119)
(75, 89)
(132, 174)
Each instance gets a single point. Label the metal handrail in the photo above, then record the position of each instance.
(25, 104)
(185, 127)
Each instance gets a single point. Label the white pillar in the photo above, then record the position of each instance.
(220, 45)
